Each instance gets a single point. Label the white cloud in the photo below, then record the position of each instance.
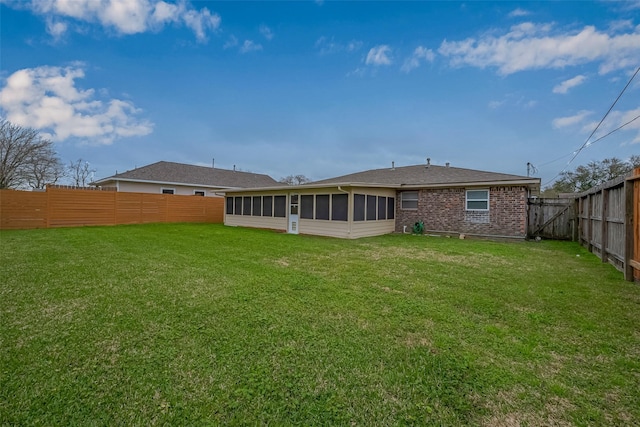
(518, 13)
(569, 84)
(47, 99)
(266, 32)
(124, 16)
(250, 46)
(576, 119)
(379, 55)
(418, 55)
(232, 41)
(629, 119)
(533, 46)
(327, 46)
(56, 28)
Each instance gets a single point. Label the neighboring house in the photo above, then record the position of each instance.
(179, 178)
(446, 199)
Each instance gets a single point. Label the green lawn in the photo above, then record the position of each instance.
(203, 324)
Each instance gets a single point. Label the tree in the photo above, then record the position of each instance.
(26, 159)
(79, 172)
(294, 180)
(590, 175)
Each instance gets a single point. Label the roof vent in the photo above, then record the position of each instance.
(446, 165)
(428, 162)
(393, 166)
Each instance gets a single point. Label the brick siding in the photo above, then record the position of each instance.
(444, 210)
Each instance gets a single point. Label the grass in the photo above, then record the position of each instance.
(190, 324)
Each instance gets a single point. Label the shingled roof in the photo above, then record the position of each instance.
(180, 173)
(428, 175)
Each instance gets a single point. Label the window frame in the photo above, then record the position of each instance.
(167, 190)
(404, 199)
(322, 210)
(467, 199)
(229, 205)
(200, 193)
(307, 206)
(339, 207)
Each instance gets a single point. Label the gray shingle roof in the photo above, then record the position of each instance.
(423, 175)
(180, 173)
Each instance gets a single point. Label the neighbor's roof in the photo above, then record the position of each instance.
(180, 173)
(429, 175)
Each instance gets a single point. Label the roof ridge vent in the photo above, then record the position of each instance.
(393, 165)
(428, 162)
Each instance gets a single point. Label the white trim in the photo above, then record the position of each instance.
(146, 181)
(467, 199)
(535, 182)
(417, 199)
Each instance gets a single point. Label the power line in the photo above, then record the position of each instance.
(586, 142)
(593, 142)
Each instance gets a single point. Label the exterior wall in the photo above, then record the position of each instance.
(443, 210)
(270, 223)
(349, 229)
(143, 187)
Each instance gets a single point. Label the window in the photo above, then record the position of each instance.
(322, 206)
(267, 206)
(306, 210)
(246, 205)
(238, 205)
(371, 208)
(198, 193)
(168, 191)
(359, 201)
(382, 207)
(280, 206)
(339, 207)
(409, 200)
(229, 205)
(477, 200)
(391, 208)
(295, 201)
(257, 206)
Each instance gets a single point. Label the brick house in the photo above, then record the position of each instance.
(447, 200)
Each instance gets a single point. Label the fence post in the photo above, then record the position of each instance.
(604, 226)
(628, 230)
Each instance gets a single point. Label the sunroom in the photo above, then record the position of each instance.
(347, 211)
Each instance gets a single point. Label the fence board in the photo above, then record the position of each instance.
(551, 218)
(71, 207)
(608, 222)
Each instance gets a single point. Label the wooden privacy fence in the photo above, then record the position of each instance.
(609, 223)
(551, 219)
(68, 207)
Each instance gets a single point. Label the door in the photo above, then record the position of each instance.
(293, 213)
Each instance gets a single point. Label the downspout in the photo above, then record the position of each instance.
(349, 209)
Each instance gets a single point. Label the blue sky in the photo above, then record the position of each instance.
(323, 88)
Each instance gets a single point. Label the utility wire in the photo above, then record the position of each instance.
(586, 142)
(593, 142)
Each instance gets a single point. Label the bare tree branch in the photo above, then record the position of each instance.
(26, 159)
(80, 172)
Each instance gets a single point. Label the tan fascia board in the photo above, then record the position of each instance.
(292, 188)
(310, 186)
(528, 183)
(145, 181)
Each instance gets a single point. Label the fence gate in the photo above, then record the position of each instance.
(551, 219)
